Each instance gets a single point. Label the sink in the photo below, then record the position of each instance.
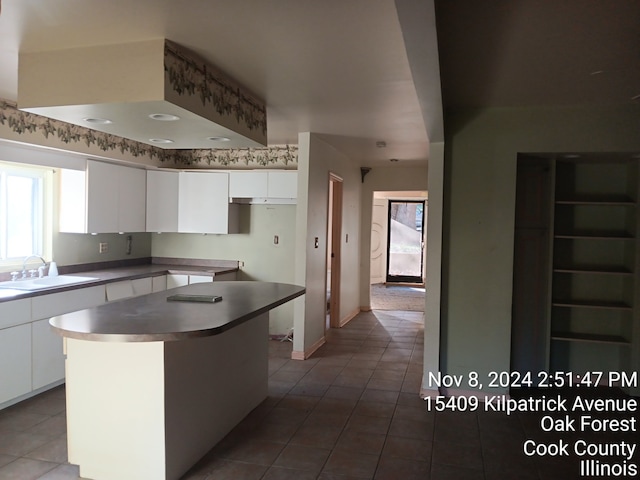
(46, 282)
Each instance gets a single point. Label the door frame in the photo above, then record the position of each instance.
(406, 278)
(334, 246)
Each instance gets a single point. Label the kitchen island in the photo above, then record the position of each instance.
(153, 385)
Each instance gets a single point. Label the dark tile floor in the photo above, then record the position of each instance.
(352, 411)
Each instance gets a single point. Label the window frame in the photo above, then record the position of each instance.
(43, 207)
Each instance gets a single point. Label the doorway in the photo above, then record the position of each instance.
(405, 245)
(334, 235)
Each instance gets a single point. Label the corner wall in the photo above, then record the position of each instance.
(316, 159)
(480, 187)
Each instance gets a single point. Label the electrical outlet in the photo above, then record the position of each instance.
(104, 247)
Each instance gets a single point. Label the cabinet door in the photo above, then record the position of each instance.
(142, 286)
(159, 284)
(46, 306)
(176, 280)
(48, 357)
(200, 279)
(247, 184)
(15, 312)
(15, 362)
(203, 202)
(162, 201)
(119, 290)
(102, 197)
(132, 198)
(283, 184)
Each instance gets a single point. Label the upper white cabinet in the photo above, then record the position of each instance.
(263, 186)
(203, 205)
(132, 199)
(282, 184)
(190, 202)
(162, 201)
(247, 184)
(105, 198)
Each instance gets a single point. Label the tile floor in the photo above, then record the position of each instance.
(352, 411)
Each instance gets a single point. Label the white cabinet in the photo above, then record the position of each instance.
(203, 205)
(47, 306)
(48, 359)
(263, 186)
(15, 360)
(248, 184)
(102, 197)
(47, 346)
(162, 201)
(158, 284)
(283, 184)
(132, 199)
(15, 312)
(142, 286)
(175, 280)
(200, 279)
(190, 202)
(106, 198)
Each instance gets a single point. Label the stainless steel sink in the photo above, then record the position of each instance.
(46, 282)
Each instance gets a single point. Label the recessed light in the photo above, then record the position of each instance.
(381, 144)
(164, 117)
(394, 160)
(219, 139)
(97, 121)
(596, 72)
(160, 140)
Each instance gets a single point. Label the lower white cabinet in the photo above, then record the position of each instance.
(48, 359)
(15, 362)
(159, 284)
(175, 280)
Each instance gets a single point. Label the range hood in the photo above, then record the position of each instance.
(154, 92)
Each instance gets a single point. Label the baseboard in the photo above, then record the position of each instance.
(298, 355)
(349, 317)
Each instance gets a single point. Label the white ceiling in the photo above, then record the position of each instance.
(362, 71)
(334, 67)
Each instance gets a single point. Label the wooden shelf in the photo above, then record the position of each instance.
(595, 235)
(587, 337)
(599, 200)
(594, 270)
(591, 304)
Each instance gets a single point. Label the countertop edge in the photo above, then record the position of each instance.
(175, 336)
(119, 275)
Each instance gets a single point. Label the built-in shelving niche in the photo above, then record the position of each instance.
(594, 265)
(576, 303)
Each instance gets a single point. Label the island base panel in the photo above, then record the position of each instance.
(152, 409)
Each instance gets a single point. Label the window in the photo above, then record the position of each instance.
(24, 230)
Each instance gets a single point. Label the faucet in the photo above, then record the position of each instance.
(33, 272)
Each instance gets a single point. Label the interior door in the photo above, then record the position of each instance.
(406, 241)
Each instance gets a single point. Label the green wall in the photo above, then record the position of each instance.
(480, 171)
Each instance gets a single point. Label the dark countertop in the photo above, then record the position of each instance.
(150, 318)
(111, 275)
